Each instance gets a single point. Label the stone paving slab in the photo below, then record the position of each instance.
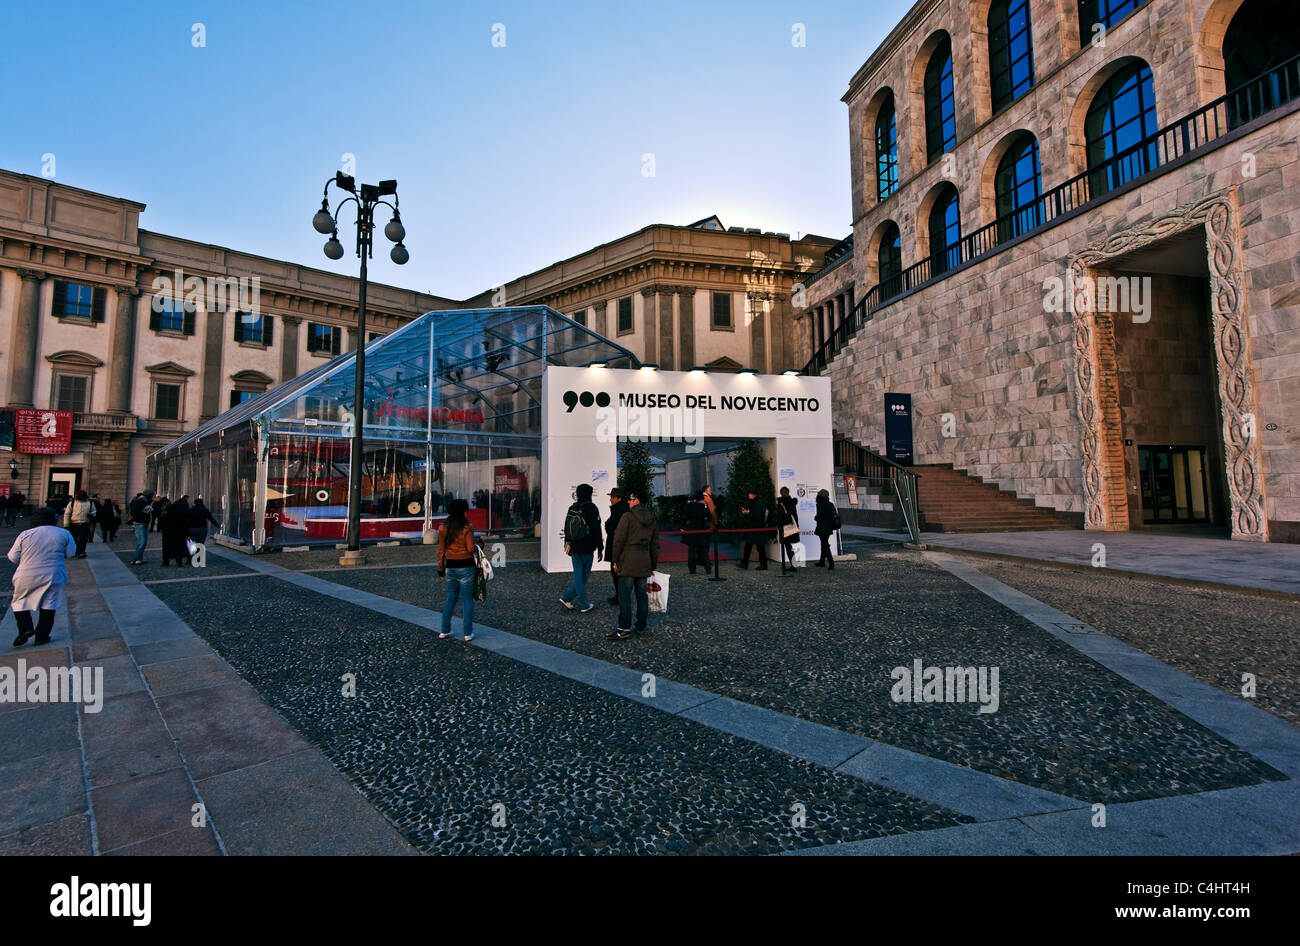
(1268, 738)
(1009, 838)
(977, 794)
(1273, 566)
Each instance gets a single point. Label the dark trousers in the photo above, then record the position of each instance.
(43, 626)
(614, 577)
(762, 553)
(627, 587)
(826, 551)
(697, 555)
(789, 552)
(82, 531)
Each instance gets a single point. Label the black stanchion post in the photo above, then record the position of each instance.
(716, 576)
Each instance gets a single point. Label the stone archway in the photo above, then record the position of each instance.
(1095, 374)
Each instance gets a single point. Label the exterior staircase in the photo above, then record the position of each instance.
(953, 501)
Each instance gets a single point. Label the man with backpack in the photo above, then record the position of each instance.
(582, 541)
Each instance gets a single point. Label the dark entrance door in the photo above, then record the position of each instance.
(64, 483)
(1174, 484)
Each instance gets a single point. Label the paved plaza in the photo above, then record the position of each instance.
(298, 707)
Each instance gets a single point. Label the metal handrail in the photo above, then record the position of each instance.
(893, 477)
(1189, 134)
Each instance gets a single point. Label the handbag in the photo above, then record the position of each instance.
(483, 565)
(790, 531)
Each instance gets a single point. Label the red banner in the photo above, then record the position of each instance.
(42, 431)
(509, 478)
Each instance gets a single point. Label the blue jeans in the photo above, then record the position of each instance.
(460, 584)
(627, 587)
(576, 593)
(141, 540)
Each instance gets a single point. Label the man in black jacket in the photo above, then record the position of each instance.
(617, 507)
(755, 514)
(582, 541)
(140, 511)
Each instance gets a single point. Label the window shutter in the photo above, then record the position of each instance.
(311, 336)
(336, 336)
(155, 314)
(60, 303)
(188, 323)
(239, 327)
(267, 323)
(98, 299)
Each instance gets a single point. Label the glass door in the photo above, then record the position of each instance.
(1174, 487)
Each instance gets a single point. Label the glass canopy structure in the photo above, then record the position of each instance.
(451, 408)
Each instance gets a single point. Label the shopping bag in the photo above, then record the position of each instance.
(192, 547)
(656, 587)
(790, 531)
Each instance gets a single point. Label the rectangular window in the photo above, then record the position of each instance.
(316, 408)
(250, 328)
(624, 315)
(722, 310)
(71, 392)
(239, 397)
(168, 315)
(323, 338)
(167, 402)
(580, 316)
(78, 301)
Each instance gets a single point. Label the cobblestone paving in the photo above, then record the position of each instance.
(439, 732)
(1211, 634)
(821, 646)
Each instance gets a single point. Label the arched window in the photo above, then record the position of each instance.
(1011, 54)
(1104, 13)
(940, 112)
(886, 150)
(945, 232)
(890, 261)
(1253, 48)
(1017, 187)
(1122, 115)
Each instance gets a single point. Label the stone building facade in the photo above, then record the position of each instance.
(79, 329)
(144, 336)
(1009, 156)
(684, 296)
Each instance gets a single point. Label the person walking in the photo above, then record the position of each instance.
(699, 525)
(583, 541)
(787, 514)
(13, 506)
(635, 553)
(175, 530)
(755, 517)
(79, 519)
(155, 516)
(41, 554)
(111, 521)
(198, 517)
(96, 517)
(828, 520)
(140, 510)
(457, 565)
(617, 509)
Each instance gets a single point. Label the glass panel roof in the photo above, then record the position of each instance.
(463, 374)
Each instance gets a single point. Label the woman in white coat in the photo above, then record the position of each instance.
(41, 554)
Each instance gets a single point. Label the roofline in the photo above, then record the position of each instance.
(889, 45)
(48, 181)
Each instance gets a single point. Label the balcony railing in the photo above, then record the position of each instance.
(114, 423)
(1182, 139)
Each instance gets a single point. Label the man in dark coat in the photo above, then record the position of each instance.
(699, 523)
(175, 530)
(827, 519)
(755, 518)
(635, 553)
(617, 509)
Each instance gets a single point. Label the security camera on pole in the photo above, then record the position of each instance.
(366, 200)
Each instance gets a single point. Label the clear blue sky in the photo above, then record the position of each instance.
(508, 158)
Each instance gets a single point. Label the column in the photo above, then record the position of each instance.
(811, 316)
(213, 339)
(22, 377)
(649, 308)
(686, 327)
(757, 331)
(666, 332)
(121, 370)
(598, 310)
(289, 346)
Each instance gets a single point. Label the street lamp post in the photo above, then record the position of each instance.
(367, 198)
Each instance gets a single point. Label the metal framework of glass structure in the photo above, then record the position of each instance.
(452, 408)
